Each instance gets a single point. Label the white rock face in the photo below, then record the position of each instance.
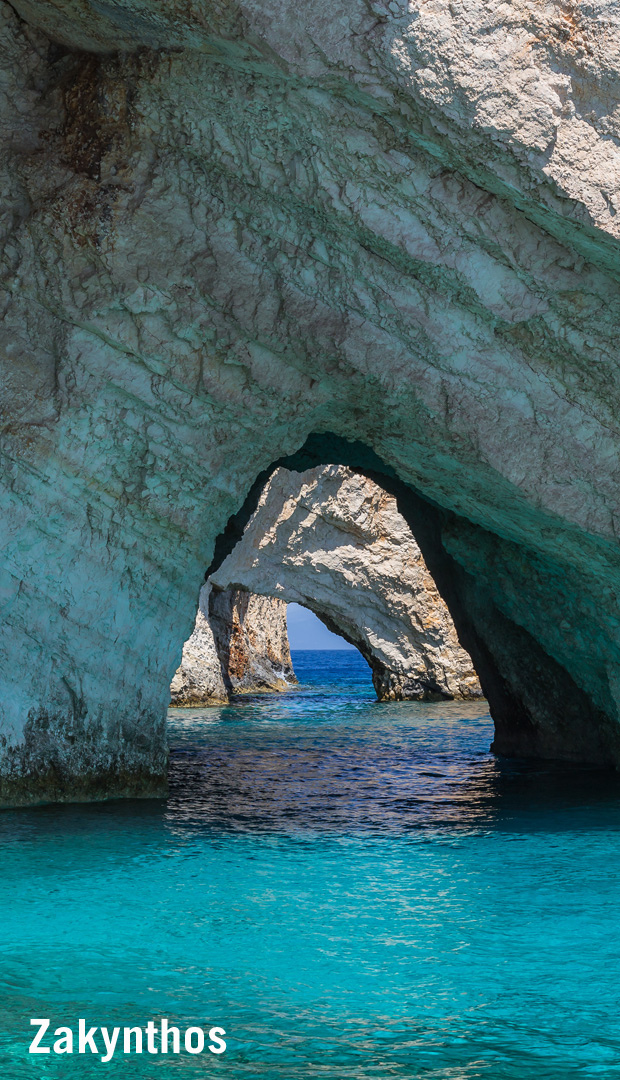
(252, 641)
(239, 645)
(335, 542)
(228, 228)
(199, 679)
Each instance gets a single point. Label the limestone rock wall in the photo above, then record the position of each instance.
(252, 641)
(228, 228)
(334, 541)
(199, 679)
(239, 645)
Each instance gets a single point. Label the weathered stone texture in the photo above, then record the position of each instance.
(252, 641)
(227, 227)
(239, 645)
(199, 679)
(333, 541)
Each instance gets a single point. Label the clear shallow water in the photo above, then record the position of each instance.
(351, 890)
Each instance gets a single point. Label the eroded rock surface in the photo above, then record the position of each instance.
(228, 227)
(252, 641)
(333, 541)
(199, 679)
(239, 645)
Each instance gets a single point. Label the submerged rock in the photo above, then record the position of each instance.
(334, 541)
(385, 233)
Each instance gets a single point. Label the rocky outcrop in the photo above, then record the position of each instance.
(239, 645)
(252, 641)
(199, 679)
(335, 542)
(387, 233)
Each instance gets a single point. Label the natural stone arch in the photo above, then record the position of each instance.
(538, 708)
(332, 540)
(242, 229)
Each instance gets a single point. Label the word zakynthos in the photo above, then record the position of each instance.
(160, 1038)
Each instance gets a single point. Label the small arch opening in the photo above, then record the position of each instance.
(307, 633)
(323, 657)
(332, 544)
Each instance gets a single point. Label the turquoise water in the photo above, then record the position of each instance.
(351, 890)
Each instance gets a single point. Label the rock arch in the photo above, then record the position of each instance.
(332, 540)
(226, 229)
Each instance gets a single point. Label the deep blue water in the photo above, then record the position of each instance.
(352, 890)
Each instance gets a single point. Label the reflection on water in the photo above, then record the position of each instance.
(352, 890)
(326, 758)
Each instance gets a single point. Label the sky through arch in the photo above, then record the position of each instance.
(306, 631)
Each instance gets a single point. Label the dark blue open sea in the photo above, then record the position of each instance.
(354, 891)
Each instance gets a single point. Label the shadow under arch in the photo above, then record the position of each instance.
(538, 709)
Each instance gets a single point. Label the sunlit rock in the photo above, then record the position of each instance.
(239, 645)
(199, 679)
(335, 542)
(252, 641)
(229, 227)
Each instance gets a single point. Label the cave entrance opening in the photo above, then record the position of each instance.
(307, 632)
(497, 593)
(331, 544)
(322, 657)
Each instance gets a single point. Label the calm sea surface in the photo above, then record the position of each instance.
(351, 890)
